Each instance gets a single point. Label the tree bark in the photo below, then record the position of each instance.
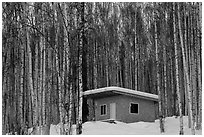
(21, 88)
(177, 72)
(199, 123)
(158, 76)
(81, 44)
(165, 79)
(44, 73)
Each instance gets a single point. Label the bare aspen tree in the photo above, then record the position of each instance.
(40, 84)
(165, 80)
(59, 83)
(70, 109)
(158, 75)
(80, 52)
(136, 53)
(177, 72)
(95, 66)
(186, 63)
(69, 70)
(35, 118)
(199, 123)
(49, 86)
(44, 69)
(30, 78)
(192, 72)
(21, 87)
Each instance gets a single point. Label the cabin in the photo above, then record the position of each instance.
(121, 104)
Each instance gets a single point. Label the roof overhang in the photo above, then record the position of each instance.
(111, 91)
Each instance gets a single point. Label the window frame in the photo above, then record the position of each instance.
(130, 108)
(105, 110)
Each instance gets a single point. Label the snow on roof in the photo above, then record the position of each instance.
(122, 91)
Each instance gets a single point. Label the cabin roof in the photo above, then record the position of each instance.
(108, 91)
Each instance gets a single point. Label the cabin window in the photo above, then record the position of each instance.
(103, 109)
(134, 108)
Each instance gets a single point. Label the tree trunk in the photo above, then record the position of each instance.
(186, 64)
(191, 66)
(30, 78)
(158, 77)
(35, 115)
(40, 84)
(70, 109)
(59, 86)
(136, 53)
(199, 123)
(165, 81)
(81, 44)
(49, 87)
(44, 74)
(177, 72)
(21, 88)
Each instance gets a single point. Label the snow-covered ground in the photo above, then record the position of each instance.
(138, 128)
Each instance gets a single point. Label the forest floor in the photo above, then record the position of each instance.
(138, 128)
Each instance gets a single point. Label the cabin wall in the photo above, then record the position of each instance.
(107, 101)
(146, 109)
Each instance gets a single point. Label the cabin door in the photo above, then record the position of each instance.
(112, 111)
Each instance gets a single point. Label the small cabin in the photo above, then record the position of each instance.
(121, 104)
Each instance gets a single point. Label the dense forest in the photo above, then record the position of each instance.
(53, 52)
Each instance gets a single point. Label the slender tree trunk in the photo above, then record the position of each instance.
(191, 66)
(95, 66)
(26, 88)
(177, 72)
(186, 63)
(136, 53)
(172, 84)
(199, 124)
(165, 80)
(107, 62)
(59, 87)
(40, 84)
(158, 77)
(44, 75)
(70, 109)
(81, 44)
(35, 118)
(49, 87)
(63, 87)
(30, 78)
(21, 88)
(66, 64)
